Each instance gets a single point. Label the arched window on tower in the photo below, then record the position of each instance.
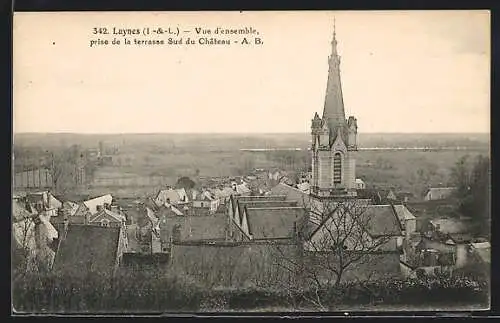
(337, 168)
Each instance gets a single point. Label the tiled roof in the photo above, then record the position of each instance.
(291, 193)
(245, 198)
(88, 248)
(266, 204)
(403, 213)
(101, 200)
(71, 207)
(272, 223)
(382, 220)
(197, 227)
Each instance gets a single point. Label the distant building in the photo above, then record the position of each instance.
(107, 218)
(223, 194)
(43, 202)
(448, 226)
(206, 203)
(360, 184)
(96, 202)
(439, 193)
(33, 235)
(40, 178)
(304, 187)
(172, 196)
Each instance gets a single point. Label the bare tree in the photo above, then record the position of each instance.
(63, 170)
(334, 243)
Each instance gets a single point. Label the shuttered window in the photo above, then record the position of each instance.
(337, 168)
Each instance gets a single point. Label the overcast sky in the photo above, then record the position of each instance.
(401, 72)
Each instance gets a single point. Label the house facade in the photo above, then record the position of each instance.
(205, 203)
(439, 193)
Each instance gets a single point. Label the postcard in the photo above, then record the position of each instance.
(250, 162)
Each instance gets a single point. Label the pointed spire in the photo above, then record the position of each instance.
(334, 103)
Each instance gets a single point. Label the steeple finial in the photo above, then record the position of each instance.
(334, 104)
(333, 26)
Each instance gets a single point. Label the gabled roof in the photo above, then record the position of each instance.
(382, 220)
(273, 223)
(403, 213)
(174, 195)
(88, 248)
(377, 220)
(291, 193)
(71, 207)
(172, 209)
(206, 195)
(101, 200)
(110, 214)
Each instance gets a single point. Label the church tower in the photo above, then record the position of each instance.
(334, 140)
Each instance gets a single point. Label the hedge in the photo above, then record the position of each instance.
(146, 292)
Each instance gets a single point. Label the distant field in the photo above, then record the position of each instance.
(225, 142)
(145, 163)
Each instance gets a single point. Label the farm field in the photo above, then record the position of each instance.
(145, 163)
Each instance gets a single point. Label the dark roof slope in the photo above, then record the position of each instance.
(273, 223)
(246, 198)
(291, 193)
(268, 203)
(197, 227)
(88, 248)
(381, 220)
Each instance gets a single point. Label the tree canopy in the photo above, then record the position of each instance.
(472, 180)
(185, 182)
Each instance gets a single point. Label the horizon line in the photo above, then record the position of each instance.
(237, 133)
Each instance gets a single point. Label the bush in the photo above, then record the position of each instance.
(159, 292)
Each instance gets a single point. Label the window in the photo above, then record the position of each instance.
(105, 223)
(337, 168)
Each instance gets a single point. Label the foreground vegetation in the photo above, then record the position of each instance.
(154, 292)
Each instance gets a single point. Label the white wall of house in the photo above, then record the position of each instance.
(461, 255)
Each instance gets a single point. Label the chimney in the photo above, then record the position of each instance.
(99, 208)
(114, 208)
